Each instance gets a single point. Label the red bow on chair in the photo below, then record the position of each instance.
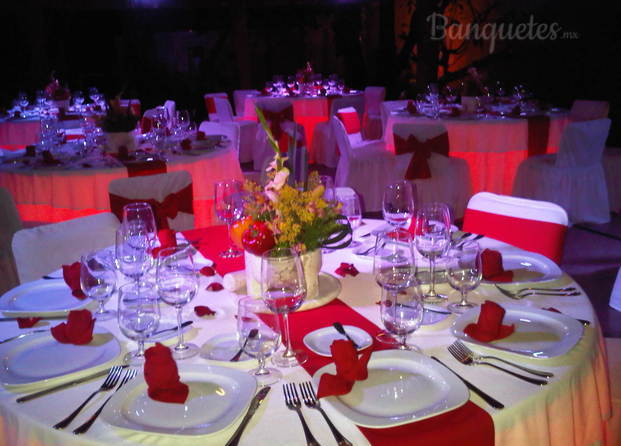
(421, 151)
(181, 201)
(276, 120)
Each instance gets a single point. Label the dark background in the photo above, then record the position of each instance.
(160, 49)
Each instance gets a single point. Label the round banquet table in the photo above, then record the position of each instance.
(493, 147)
(571, 410)
(53, 194)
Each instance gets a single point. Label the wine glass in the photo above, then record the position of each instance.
(132, 251)
(229, 208)
(398, 204)
(98, 281)
(141, 213)
(352, 210)
(93, 94)
(328, 187)
(257, 338)
(464, 273)
(177, 284)
(283, 288)
(138, 316)
(433, 237)
(78, 100)
(394, 268)
(183, 120)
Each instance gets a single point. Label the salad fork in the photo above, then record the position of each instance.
(311, 401)
(475, 356)
(292, 400)
(468, 360)
(570, 291)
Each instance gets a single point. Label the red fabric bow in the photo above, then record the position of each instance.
(181, 201)
(349, 369)
(489, 326)
(421, 151)
(162, 377)
(78, 329)
(71, 274)
(275, 120)
(167, 238)
(345, 269)
(492, 267)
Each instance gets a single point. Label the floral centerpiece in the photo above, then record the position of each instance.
(58, 94)
(283, 214)
(118, 125)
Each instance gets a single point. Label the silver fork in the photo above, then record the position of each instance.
(521, 295)
(130, 374)
(467, 360)
(310, 399)
(475, 356)
(292, 400)
(108, 384)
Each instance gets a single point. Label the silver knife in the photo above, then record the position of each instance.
(254, 405)
(159, 332)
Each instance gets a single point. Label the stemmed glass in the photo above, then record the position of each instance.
(78, 100)
(138, 316)
(257, 338)
(98, 281)
(433, 237)
(464, 273)
(352, 210)
(229, 208)
(132, 251)
(394, 267)
(398, 204)
(283, 288)
(177, 284)
(328, 187)
(141, 213)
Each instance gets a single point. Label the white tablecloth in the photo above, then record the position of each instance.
(56, 194)
(493, 147)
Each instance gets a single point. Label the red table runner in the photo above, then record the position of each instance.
(468, 425)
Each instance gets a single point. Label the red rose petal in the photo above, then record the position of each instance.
(203, 310)
(215, 286)
(27, 322)
(208, 271)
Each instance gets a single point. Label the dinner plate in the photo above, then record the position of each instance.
(402, 387)
(218, 397)
(538, 333)
(319, 341)
(44, 298)
(40, 359)
(529, 267)
(221, 348)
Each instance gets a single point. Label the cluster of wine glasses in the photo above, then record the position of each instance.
(296, 85)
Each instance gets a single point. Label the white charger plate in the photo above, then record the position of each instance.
(221, 348)
(528, 267)
(319, 341)
(44, 298)
(218, 397)
(40, 359)
(538, 333)
(402, 387)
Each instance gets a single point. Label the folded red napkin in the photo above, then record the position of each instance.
(162, 377)
(345, 269)
(27, 322)
(489, 326)
(492, 267)
(203, 310)
(349, 369)
(77, 330)
(71, 274)
(167, 238)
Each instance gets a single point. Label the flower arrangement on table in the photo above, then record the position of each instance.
(118, 124)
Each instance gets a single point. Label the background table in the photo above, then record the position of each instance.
(571, 410)
(18, 133)
(493, 147)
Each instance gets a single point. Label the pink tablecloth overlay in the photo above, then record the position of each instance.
(493, 148)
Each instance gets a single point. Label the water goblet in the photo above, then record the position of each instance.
(398, 204)
(177, 284)
(98, 281)
(132, 251)
(350, 208)
(328, 187)
(464, 272)
(138, 316)
(141, 213)
(229, 208)
(433, 237)
(283, 289)
(257, 338)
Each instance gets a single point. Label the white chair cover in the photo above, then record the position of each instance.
(372, 119)
(220, 111)
(10, 223)
(247, 129)
(265, 152)
(612, 172)
(574, 177)
(171, 111)
(259, 151)
(365, 166)
(615, 296)
(583, 110)
(450, 181)
(43, 249)
(230, 129)
(156, 187)
(239, 99)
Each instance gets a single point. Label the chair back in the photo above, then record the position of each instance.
(43, 249)
(169, 194)
(373, 98)
(229, 129)
(239, 99)
(584, 110)
(355, 101)
(10, 223)
(582, 143)
(212, 107)
(615, 295)
(343, 142)
(171, 111)
(537, 226)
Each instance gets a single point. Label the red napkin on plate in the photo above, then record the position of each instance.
(27, 322)
(71, 274)
(345, 269)
(78, 329)
(489, 326)
(162, 377)
(492, 267)
(168, 239)
(349, 369)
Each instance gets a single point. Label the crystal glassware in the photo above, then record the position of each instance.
(229, 208)
(283, 289)
(464, 272)
(177, 284)
(350, 208)
(98, 282)
(398, 204)
(132, 251)
(141, 213)
(328, 187)
(257, 338)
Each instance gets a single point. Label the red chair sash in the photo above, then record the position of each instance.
(351, 121)
(421, 151)
(180, 201)
(532, 235)
(210, 105)
(538, 131)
